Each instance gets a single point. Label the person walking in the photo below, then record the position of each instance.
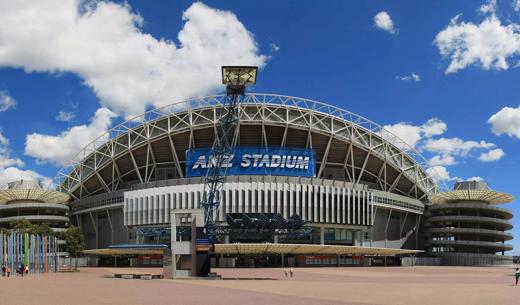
(26, 270)
(285, 271)
(3, 270)
(517, 276)
(22, 267)
(8, 270)
(291, 271)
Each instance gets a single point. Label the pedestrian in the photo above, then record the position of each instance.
(3, 270)
(291, 271)
(285, 271)
(517, 276)
(26, 270)
(22, 268)
(8, 270)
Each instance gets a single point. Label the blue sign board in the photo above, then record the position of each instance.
(255, 161)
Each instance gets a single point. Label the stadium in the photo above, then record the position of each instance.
(345, 178)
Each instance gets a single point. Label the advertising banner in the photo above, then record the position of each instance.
(255, 161)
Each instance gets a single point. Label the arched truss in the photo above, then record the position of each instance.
(314, 121)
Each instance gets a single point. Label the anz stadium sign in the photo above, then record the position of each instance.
(255, 161)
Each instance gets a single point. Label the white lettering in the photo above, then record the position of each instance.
(276, 160)
(264, 161)
(201, 162)
(245, 160)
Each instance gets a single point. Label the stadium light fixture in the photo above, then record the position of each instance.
(237, 77)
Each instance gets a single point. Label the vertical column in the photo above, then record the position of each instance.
(279, 192)
(333, 204)
(223, 204)
(343, 210)
(322, 235)
(234, 207)
(348, 206)
(304, 199)
(358, 208)
(286, 200)
(297, 203)
(315, 203)
(291, 199)
(320, 196)
(327, 204)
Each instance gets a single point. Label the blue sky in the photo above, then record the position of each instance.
(448, 85)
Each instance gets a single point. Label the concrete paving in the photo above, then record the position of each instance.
(355, 285)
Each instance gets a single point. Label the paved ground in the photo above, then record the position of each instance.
(363, 286)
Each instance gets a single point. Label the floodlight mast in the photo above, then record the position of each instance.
(236, 78)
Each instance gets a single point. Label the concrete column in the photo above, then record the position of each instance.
(322, 235)
(275, 239)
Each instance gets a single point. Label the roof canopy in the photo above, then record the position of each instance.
(481, 195)
(138, 150)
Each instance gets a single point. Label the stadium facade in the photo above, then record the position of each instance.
(361, 186)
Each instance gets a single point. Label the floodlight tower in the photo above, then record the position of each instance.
(236, 78)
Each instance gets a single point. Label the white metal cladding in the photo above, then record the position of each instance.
(334, 205)
(97, 160)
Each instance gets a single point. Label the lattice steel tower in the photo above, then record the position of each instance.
(235, 79)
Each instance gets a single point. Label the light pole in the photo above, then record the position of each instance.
(236, 78)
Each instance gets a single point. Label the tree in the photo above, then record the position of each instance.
(74, 243)
(21, 224)
(42, 229)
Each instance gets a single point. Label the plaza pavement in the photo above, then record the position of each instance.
(355, 285)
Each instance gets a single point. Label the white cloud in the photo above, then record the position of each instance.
(6, 101)
(474, 178)
(62, 148)
(274, 48)
(434, 127)
(104, 43)
(488, 8)
(9, 167)
(507, 121)
(455, 146)
(442, 160)
(384, 22)
(11, 174)
(489, 44)
(492, 155)
(516, 5)
(440, 173)
(412, 134)
(65, 116)
(412, 77)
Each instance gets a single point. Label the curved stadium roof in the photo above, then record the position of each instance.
(357, 148)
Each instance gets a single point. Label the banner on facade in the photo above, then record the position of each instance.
(255, 161)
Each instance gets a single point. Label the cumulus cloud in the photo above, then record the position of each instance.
(455, 146)
(474, 178)
(492, 155)
(384, 22)
(10, 167)
(488, 8)
(440, 173)
(11, 174)
(516, 5)
(442, 160)
(506, 121)
(412, 77)
(412, 134)
(60, 149)
(489, 44)
(104, 44)
(6, 101)
(65, 116)
(274, 48)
